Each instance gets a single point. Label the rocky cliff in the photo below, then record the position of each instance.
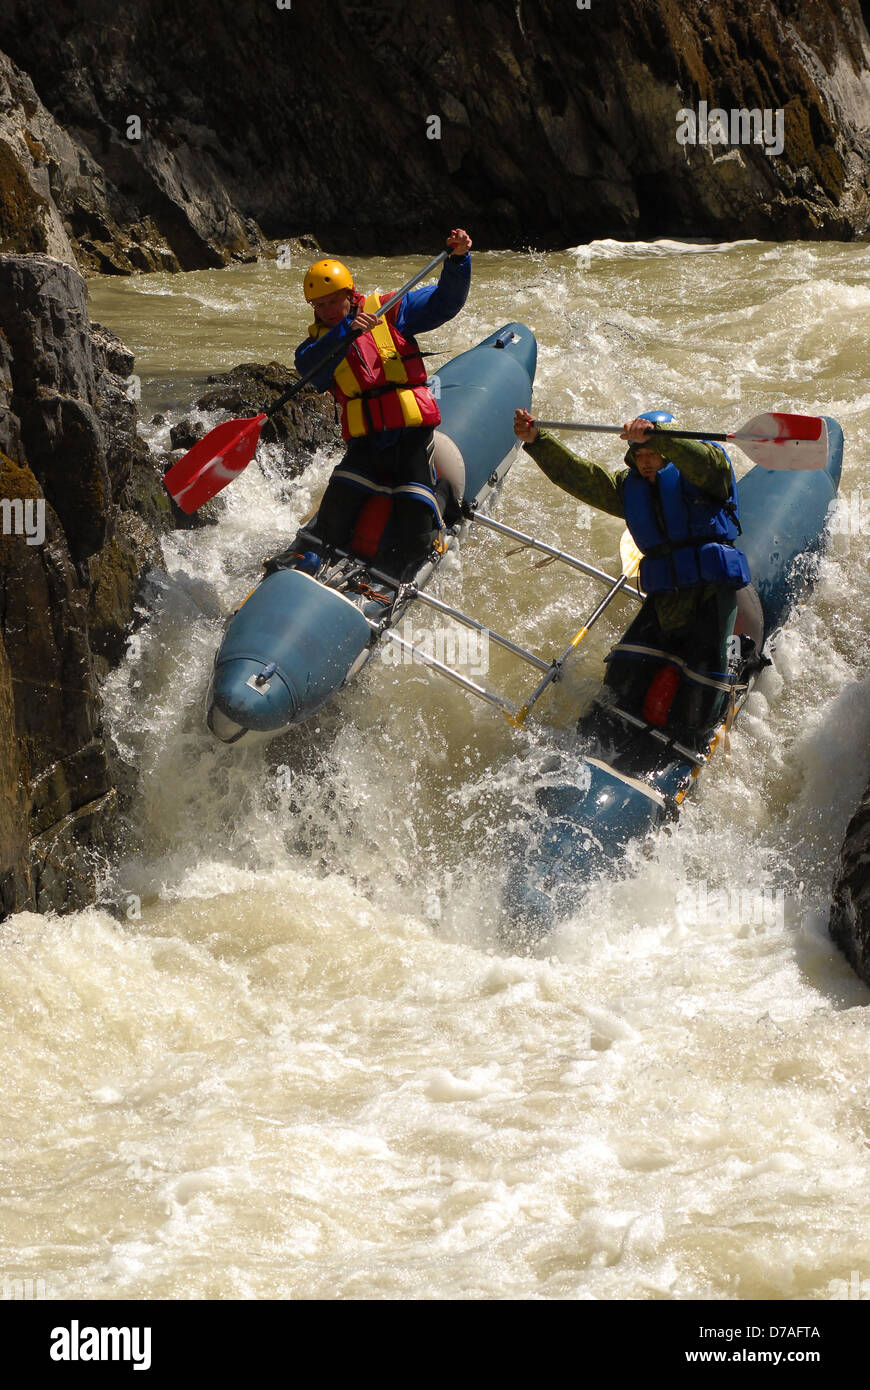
(162, 136)
(82, 503)
(850, 908)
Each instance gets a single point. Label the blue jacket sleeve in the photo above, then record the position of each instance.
(315, 350)
(422, 310)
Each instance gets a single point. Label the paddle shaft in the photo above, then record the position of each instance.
(341, 351)
(774, 440)
(655, 434)
(555, 670)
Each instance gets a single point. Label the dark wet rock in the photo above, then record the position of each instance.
(83, 509)
(66, 449)
(56, 706)
(43, 313)
(16, 883)
(185, 434)
(72, 593)
(32, 144)
(850, 909)
(117, 575)
(74, 420)
(111, 354)
(575, 108)
(145, 494)
(66, 858)
(310, 421)
(207, 515)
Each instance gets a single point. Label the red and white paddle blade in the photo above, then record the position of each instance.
(785, 441)
(214, 461)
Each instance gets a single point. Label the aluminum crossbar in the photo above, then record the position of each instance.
(464, 681)
(534, 544)
(468, 621)
(555, 670)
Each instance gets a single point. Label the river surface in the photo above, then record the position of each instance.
(297, 1052)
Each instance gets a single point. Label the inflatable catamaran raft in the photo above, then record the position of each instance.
(311, 625)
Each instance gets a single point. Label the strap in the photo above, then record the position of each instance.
(668, 547)
(360, 480)
(637, 649)
(643, 727)
(731, 509)
(371, 393)
(634, 782)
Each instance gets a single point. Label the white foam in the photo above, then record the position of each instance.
(607, 248)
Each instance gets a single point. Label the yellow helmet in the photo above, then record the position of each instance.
(325, 277)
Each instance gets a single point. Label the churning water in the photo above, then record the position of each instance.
(298, 1052)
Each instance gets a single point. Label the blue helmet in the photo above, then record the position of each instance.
(657, 417)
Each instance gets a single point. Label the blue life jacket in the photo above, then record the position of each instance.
(696, 545)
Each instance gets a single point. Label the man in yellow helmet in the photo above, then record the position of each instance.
(388, 412)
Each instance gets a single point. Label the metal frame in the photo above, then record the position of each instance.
(534, 544)
(552, 669)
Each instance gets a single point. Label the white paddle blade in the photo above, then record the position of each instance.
(629, 555)
(785, 441)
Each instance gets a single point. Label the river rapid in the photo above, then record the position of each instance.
(298, 1050)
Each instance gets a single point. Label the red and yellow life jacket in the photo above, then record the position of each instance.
(381, 383)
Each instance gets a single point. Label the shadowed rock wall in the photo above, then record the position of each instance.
(81, 500)
(850, 909)
(556, 124)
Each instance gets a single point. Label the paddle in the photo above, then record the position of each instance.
(226, 450)
(630, 558)
(774, 441)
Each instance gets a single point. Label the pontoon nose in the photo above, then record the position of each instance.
(287, 649)
(248, 694)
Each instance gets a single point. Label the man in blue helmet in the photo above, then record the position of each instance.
(679, 501)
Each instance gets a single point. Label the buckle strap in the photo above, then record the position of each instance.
(637, 649)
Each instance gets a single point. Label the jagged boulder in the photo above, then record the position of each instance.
(185, 433)
(850, 908)
(309, 421)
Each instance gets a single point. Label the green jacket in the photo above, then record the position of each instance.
(700, 463)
